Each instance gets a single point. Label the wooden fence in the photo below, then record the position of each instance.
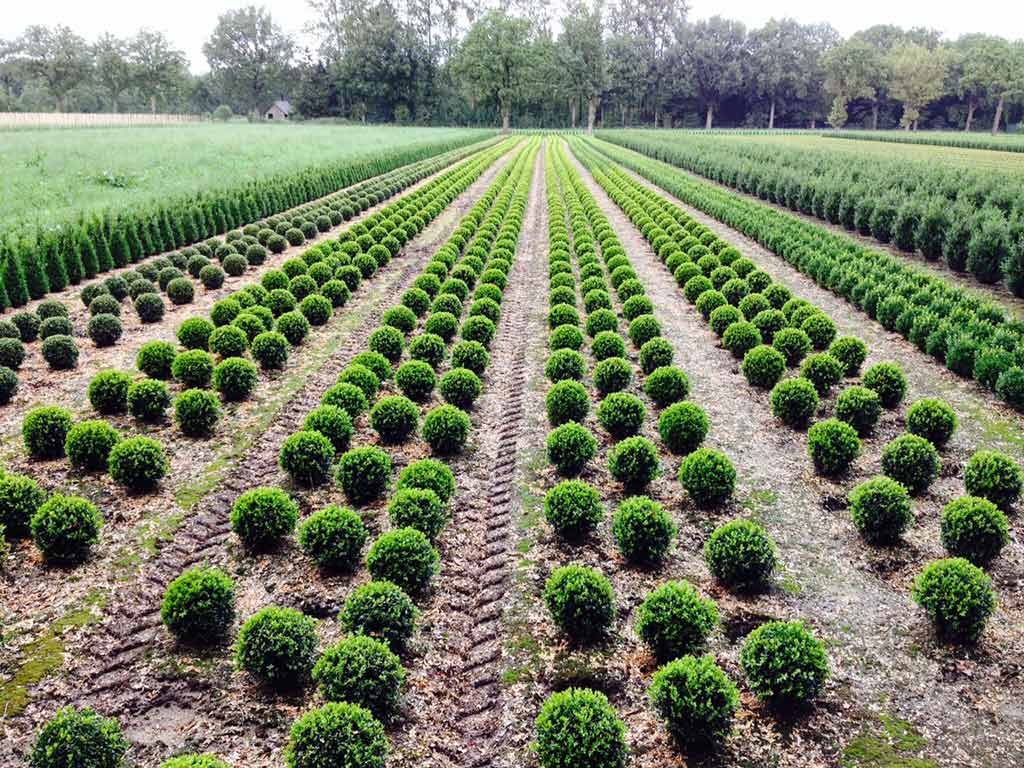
(88, 119)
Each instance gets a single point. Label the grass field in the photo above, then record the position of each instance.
(47, 175)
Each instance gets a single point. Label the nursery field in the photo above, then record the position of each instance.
(529, 451)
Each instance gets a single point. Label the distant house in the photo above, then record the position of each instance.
(279, 110)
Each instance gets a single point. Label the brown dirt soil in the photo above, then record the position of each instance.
(132, 668)
(883, 655)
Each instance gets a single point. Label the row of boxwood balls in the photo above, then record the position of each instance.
(955, 593)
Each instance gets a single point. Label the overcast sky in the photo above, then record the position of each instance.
(189, 22)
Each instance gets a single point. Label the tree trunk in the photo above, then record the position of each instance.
(874, 116)
(657, 116)
(971, 105)
(711, 113)
(771, 116)
(666, 119)
(506, 118)
(152, 104)
(591, 112)
(814, 123)
(999, 114)
(574, 108)
(114, 105)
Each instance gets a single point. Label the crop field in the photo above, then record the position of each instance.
(384, 448)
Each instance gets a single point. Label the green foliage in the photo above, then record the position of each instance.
(696, 699)
(683, 427)
(193, 368)
(418, 508)
(334, 537)
(108, 392)
(364, 473)
(277, 646)
(911, 461)
(64, 528)
(156, 359)
(859, 407)
(580, 601)
(786, 666)
(851, 352)
(675, 620)
(795, 401)
(235, 378)
(338, 733)
(430, 474)
(880, 508)
(88, 444)
(643, 531)
(199, 606)
(44, 431)
(708, 477)
(888, 381)
(958, 598)
(933, 420)
(361, 670)
(832, 445)
(404, 557)
(306, 456)
(20, 497)
(60, 352)
(741, 555)
(73, 738)
(974, 529)
(573, 509)
(994, 476)
(579, 727)
(148, 399)
(270, 350)
(612, 374)
(262, 516)
(382, 610)
(634, 462)
(621, 414)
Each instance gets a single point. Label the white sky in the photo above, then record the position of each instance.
(189, 22)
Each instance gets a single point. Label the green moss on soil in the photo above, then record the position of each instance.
(894, 744)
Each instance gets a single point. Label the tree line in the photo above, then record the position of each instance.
(531, 63)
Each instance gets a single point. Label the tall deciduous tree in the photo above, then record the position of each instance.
(917, 77)
(114, 70)
(494, 60)
(581, 56)
(714, 53)
(850, 71)
(160, 68)
(249, 55)
(57, 57)
(785, 61)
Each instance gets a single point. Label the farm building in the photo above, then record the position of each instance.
(279, 110)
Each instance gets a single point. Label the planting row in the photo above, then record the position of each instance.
(41, 259)
(971, 219)
(971, 337)
(265, 320)
(360, 678)
(208, 263)
(1001, 143)
(974, 527)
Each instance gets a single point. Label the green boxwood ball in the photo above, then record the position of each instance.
(578, 727)
(199, 606)
(394, 418)
(565, 364)
(974, 529)
(933, 420)
(156, 359)
(405, 557)
(958, 598)
(683, 427)
(195, 332)
(105, 330)
(601, 320)
(12, 353)
(567, 401)
(277, 646)
(334, 537)
(888, 381)
(361, 670)
(880, 508)
(695, 699)
(306, 457)
(741, 555)
(461, 387)
(667, 385)
(786, 666)
(675, 620)
(89, 443)
(235, 378)
(832, 445)
(763, 366)
(634, 462)
(108, 392)
(612, 375)
(364, 473)
(580, 601)
(45, 430)
(416, 379)
(994, 476)
(382, 610)
(64, 528)
(851, 352)
(823, 371)
(338, 733)
(607, 344)
(573, 509)
(148, 399)
(428, 347)
(794, 401)
(59, 352)
(270, 350)
(911, 461)
(418, 508)
(227, 341)
(656, 353)
(741, 337)
(332, 422)
(193, 368)
(150, 308)
(793, 344)
(643, 531)
(262, 516)
(446, 429)
(564, 337)
(138, 463)
(72, 734)
(708, 477)
(859, 407)
(621, 414)
(20, 497)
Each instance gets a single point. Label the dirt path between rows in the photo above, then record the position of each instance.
(130, 668)
(883, 658)
(998, 293)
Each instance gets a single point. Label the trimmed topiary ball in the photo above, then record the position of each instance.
(262, 516)
(849, 351)
(334, 537)
(580, 601)
(306, 457)
(51, 326)
(195, 332)
(823, 371)
(741, 337)
(888, 381)
(819, 329)
(708, 477)
(404, 557)
(573, 509)
(270, 350)
(89, 443)
(446, 429)
(430, 474)
(60, 352)
(332, 422)
(472, 355)
(461, 387)
(683, 427)
(193, 368)
(832, 445)
(613, 374)
(418, 508)
(387, 341)
(150, 308)
(380, 609)
(667, 385)
(793, 344)
(880, 508)
(20, 497)
(75, 738)
(912, 461)
(578, 727)
(293, 326)
(933, 420)
(105, 330)
(28, 325)
(643, 531)
(416, 379)
(607, 344)
(235, 378)
(994, 476)
(674, 620)
(763, 366)
(974, 529)
(695, 699)
(958, 598)
(227, 341)
(741, 555)
(137, 463)
(567, 401)
(196, 412)
(8, 384)
(148, 399)
(621, 414)
(428, 347)
(199, 606)
(565, 364)
(108, 392)
(395, 419)
(12, 353)
(156, 359)
(795, 401)
(277, 646)
(570, 446)
(364, 473)
(786, 666)
(859, 407)
(634, 462)
(361, 670)
(64, 528)
(656, 353)
(338, 733)
(44, 431)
